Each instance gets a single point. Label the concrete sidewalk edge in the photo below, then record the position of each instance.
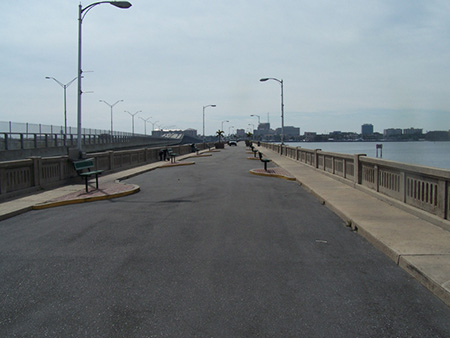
(52, 204)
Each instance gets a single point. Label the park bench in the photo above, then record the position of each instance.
(194, 148)
(264, 160)
(86, 164)
(172, 155)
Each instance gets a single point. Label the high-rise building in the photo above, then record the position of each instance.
(367, 129)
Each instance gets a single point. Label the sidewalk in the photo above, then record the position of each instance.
(109, 187)
(419, 247)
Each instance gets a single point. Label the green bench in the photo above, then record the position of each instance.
(264, 160)
(86, 164)
(195, 149)
(172, 155)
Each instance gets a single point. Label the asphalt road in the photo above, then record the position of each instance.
(205, 250)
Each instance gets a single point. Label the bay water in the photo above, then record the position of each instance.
(426, 153)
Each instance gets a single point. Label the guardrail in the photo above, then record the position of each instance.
(37, 173)
(422, 187)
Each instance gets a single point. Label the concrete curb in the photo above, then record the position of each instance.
(15, 213)
(176, 164)
(262, 172)
(53, 204)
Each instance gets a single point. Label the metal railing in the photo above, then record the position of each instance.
(15, 136)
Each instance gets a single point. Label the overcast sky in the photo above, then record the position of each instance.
(344, 63)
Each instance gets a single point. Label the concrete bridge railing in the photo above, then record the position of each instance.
(425, 188)
(29, 175)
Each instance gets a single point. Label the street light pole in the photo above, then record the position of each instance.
(81, 14)
(259, 118)
(65, 102)
(210, 105)
(132, 119)
(253, 130)
(153, 125)
(111, 106)
(222, 124)
(282, 104)
(145, 123)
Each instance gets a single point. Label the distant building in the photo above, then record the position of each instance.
(413, 131)
(289, 131)
(190, 132)
(264, 126)
(392, 132)
(310, 136)
(240, 133)
(438, 135)
(367, 129)
(263, 131)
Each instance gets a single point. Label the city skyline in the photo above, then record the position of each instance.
(343, 65)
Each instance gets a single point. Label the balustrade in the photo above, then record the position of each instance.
(422, 187)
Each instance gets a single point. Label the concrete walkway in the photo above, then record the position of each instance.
(418, 246)
(109, 187)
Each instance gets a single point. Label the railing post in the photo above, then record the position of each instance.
(447, 200)
(316, 158)
(2, 181)
(376, 178)
(357, 169)
(37, 169)
(111, 160)
(6, 141)
(403, 186)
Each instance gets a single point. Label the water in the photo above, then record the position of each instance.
(431, 154)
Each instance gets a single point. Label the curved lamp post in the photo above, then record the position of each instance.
(282, 104)
(81, 14)
(111, 106)
(210, 105)
(222, 124)
(132, 119)
(259, 118)
(65, 102)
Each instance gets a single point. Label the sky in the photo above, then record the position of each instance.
(343, 64)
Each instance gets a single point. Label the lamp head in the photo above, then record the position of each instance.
(121, 4)
(213, 105)
(264, 79)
